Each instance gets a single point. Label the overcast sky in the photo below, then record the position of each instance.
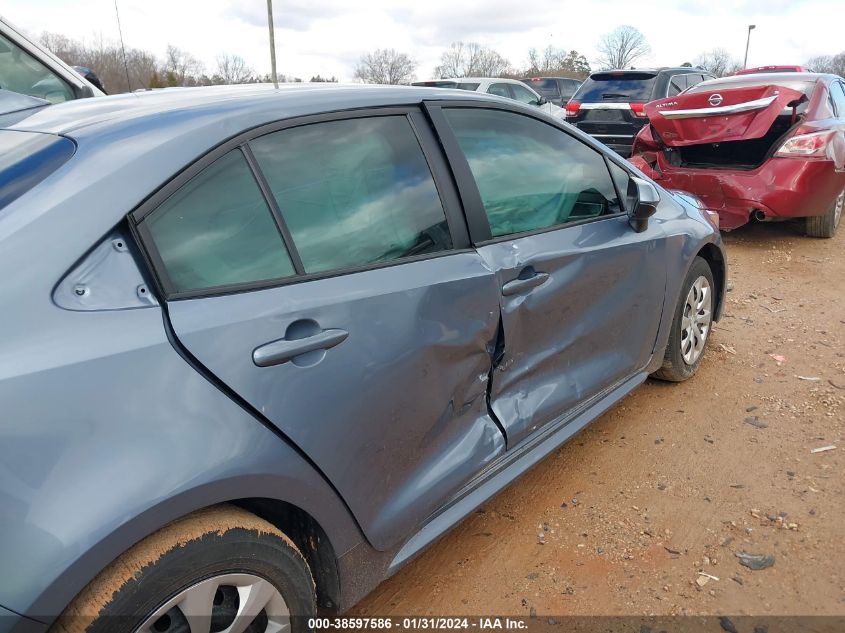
(328, 36)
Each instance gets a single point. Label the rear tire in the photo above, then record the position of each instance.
(222, 563)
(691, 324)
(825, 225)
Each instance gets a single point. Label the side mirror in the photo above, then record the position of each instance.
(542, 101)
(642, 203)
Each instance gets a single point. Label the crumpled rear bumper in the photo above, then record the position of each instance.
(780, 188)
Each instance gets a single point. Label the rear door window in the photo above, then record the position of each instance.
(677, 84)
(693, 80)
(354, 192)
(531, 175)
(217, 230)
(523, 95)
(500, 90)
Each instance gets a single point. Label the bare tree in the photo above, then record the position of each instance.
(622, 47)
(828, 64)
(556, 61)
(471, 60)
(233, 69)
(385, 66)
(719, 62)
(180, 67)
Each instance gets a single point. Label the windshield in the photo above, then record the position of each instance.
(616, 86)
(21, 72)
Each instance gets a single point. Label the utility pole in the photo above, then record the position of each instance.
(751, 27)
(272, 43)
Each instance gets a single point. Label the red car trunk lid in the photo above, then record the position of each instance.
(720, 115)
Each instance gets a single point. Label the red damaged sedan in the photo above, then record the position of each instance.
(766, 147)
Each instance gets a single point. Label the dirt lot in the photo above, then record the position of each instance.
(679, 478)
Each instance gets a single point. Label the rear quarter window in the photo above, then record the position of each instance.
(27, 158)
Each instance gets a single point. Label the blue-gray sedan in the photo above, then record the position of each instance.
(260, 347)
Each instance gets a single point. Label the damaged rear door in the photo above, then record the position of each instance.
(720, 115)
(325, 276)
(581, 293)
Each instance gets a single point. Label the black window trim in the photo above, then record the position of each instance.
(436, 163)
(479, 225)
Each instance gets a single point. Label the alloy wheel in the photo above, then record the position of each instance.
(696, 320)
(228, 603)
(837, 211)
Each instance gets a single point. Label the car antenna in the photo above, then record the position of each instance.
(122, 48)
(272, 43)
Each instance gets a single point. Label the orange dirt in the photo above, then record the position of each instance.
(677, 467)
(97, 595)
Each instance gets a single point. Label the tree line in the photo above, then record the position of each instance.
(622, 47)
(141, 69)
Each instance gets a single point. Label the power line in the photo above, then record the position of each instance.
(122, 48)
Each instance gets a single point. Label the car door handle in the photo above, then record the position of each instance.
(519, 285)
(283, 350)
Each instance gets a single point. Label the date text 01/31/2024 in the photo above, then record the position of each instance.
(419, 623)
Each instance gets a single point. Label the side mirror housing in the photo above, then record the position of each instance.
(642, 201)
(542, 101)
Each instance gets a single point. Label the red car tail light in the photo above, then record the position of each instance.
(806, 145)
(572, 108)
(638, 109)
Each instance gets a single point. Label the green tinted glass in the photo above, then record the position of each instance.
(531, 175)
(354, 192)
(217, 230)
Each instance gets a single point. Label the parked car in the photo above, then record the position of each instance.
(508, 88)
(30, 69)
(91, 77)
(558, 90)
(772, 69)
(609, 105)
(766, 146)
(240, 380)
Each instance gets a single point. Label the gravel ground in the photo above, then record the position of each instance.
(646, 510)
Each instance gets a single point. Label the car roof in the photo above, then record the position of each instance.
(236, 108)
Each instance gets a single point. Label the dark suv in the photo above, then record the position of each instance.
(558, 90)
(609, 104)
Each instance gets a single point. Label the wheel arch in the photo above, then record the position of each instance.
(320, 532)
(715, 259)
(309, 536)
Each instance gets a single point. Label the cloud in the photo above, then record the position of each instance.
(296, 15)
